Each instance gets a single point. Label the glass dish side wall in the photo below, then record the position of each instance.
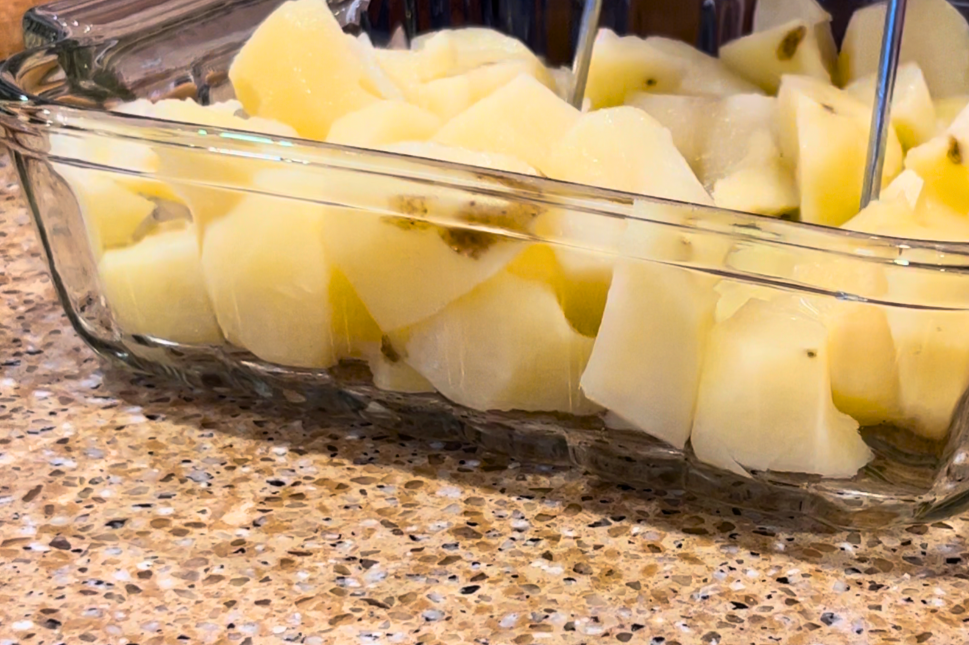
(910, 477)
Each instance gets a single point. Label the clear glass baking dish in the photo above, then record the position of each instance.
(726, 410)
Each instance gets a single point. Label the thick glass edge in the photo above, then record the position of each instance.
(28, 127)
(29, 120)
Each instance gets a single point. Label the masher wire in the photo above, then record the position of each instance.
(884, 91)
(583, 53)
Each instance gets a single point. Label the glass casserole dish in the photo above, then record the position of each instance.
(773, 364)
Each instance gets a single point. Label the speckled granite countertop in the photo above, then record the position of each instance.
(132, 511)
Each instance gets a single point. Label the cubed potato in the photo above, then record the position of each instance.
(301, 69)
(156, 288)
(936, 36)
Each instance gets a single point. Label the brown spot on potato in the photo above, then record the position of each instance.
(471, 244)
(787, 49)
(954, 152)
(388, 350)
(497, 213)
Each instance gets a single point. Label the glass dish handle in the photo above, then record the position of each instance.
(93, 20)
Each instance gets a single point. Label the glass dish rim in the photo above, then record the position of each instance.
(28, 114)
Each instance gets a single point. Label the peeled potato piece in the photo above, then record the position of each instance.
(912, 111)
(645, 366)
(864, 373)
(447, 97)
(620, 148)
(410, 248)
(156, 288)
(766, 188)
(947, 109)
(936, 36)
(704, 75)
(384, 123)
(506, 345)
(392, 374)
(764, 57)
(765, 397)
(686, 117)
(581, 297)
(908, 186)
(931, 364)
(769, 14)
(409, 69)
(268, 278)
(523, 119)
(759, 262)
(188, 166)
(738, 135)
(933, 367)
(942, 164)
(476, 47)
(112, 213)
(301, 69)
(621, 66)
(823, 131)
(730, 145)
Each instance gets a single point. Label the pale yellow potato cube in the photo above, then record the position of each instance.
(621, 66)
(448, 97)
(738, 135)
(941, 162)
(823, 132)
(189, 169)
(686, 117)
(936, 36)
(301, 69)
(764, 189)
(155, 288)
(476, 47)
(384, 123)
(864, 373)
(268, 278)
(912, 111)
(353, 331)
(765, 398)
(645, 365)
(947, 109)
(933, 367)
(620, 148)
(112, 213)
(703, 75)
(764, 57)
(409, 249)
(582, 298)
(522, 119)
(506, 345)
(408, 69)
(908, 186)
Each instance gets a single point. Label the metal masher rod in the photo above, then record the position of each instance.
(583, 53)
(884, 91)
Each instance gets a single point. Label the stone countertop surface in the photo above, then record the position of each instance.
(135, 511)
